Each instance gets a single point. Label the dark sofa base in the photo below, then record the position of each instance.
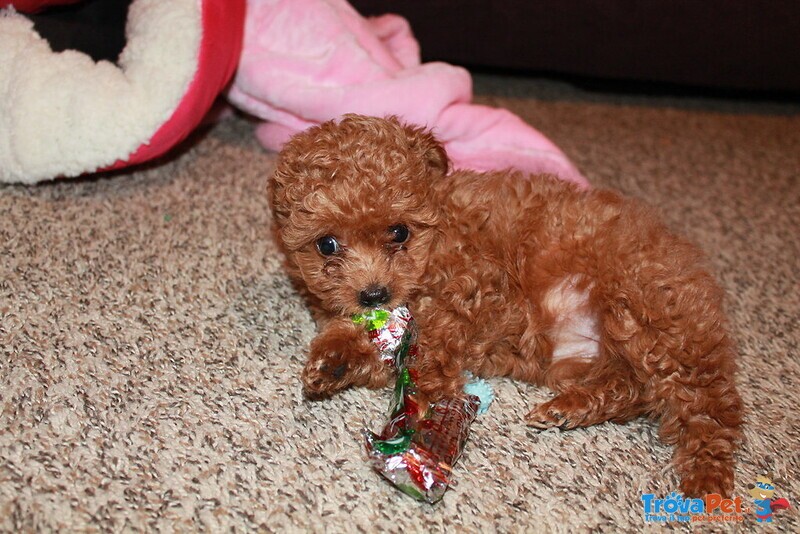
(752, 45)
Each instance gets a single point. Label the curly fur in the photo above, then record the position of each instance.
(585, 292)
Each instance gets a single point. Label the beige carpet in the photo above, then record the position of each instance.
(151, 343)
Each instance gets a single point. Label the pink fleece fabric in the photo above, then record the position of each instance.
(308, 61)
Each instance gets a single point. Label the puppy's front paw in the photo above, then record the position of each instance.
(336, 363)
(324, 375)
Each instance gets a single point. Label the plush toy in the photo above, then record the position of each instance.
(417, 448)
(62, 114)
(305, 62)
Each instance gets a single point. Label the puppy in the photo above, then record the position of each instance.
(527, 277)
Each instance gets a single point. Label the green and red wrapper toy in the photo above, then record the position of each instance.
(417, 448)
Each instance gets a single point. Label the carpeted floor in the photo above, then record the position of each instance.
(151, 344)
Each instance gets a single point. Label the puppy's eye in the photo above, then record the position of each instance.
(327, 245)
(399, 233)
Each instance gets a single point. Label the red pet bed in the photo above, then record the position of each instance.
(63, 114)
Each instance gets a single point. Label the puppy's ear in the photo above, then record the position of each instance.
(276, 190)
(428, 148)
(297, 166)
(433, 152)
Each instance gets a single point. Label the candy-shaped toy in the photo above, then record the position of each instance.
(417, 448)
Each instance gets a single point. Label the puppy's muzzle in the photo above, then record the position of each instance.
(374, 295)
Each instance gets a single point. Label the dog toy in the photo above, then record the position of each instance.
(417, 448)
(305, 62)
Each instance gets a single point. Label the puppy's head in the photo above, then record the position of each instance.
(355, 210)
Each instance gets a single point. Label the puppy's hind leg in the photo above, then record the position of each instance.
(594, 385)
(589, 392)
(701, 415)
(671, 331)
(677, 342)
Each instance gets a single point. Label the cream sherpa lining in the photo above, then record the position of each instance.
(62, 114)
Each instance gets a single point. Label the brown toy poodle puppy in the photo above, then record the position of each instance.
(508, 275)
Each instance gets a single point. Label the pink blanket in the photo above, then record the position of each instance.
(309, 61)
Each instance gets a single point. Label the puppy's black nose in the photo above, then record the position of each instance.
(374, 295)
